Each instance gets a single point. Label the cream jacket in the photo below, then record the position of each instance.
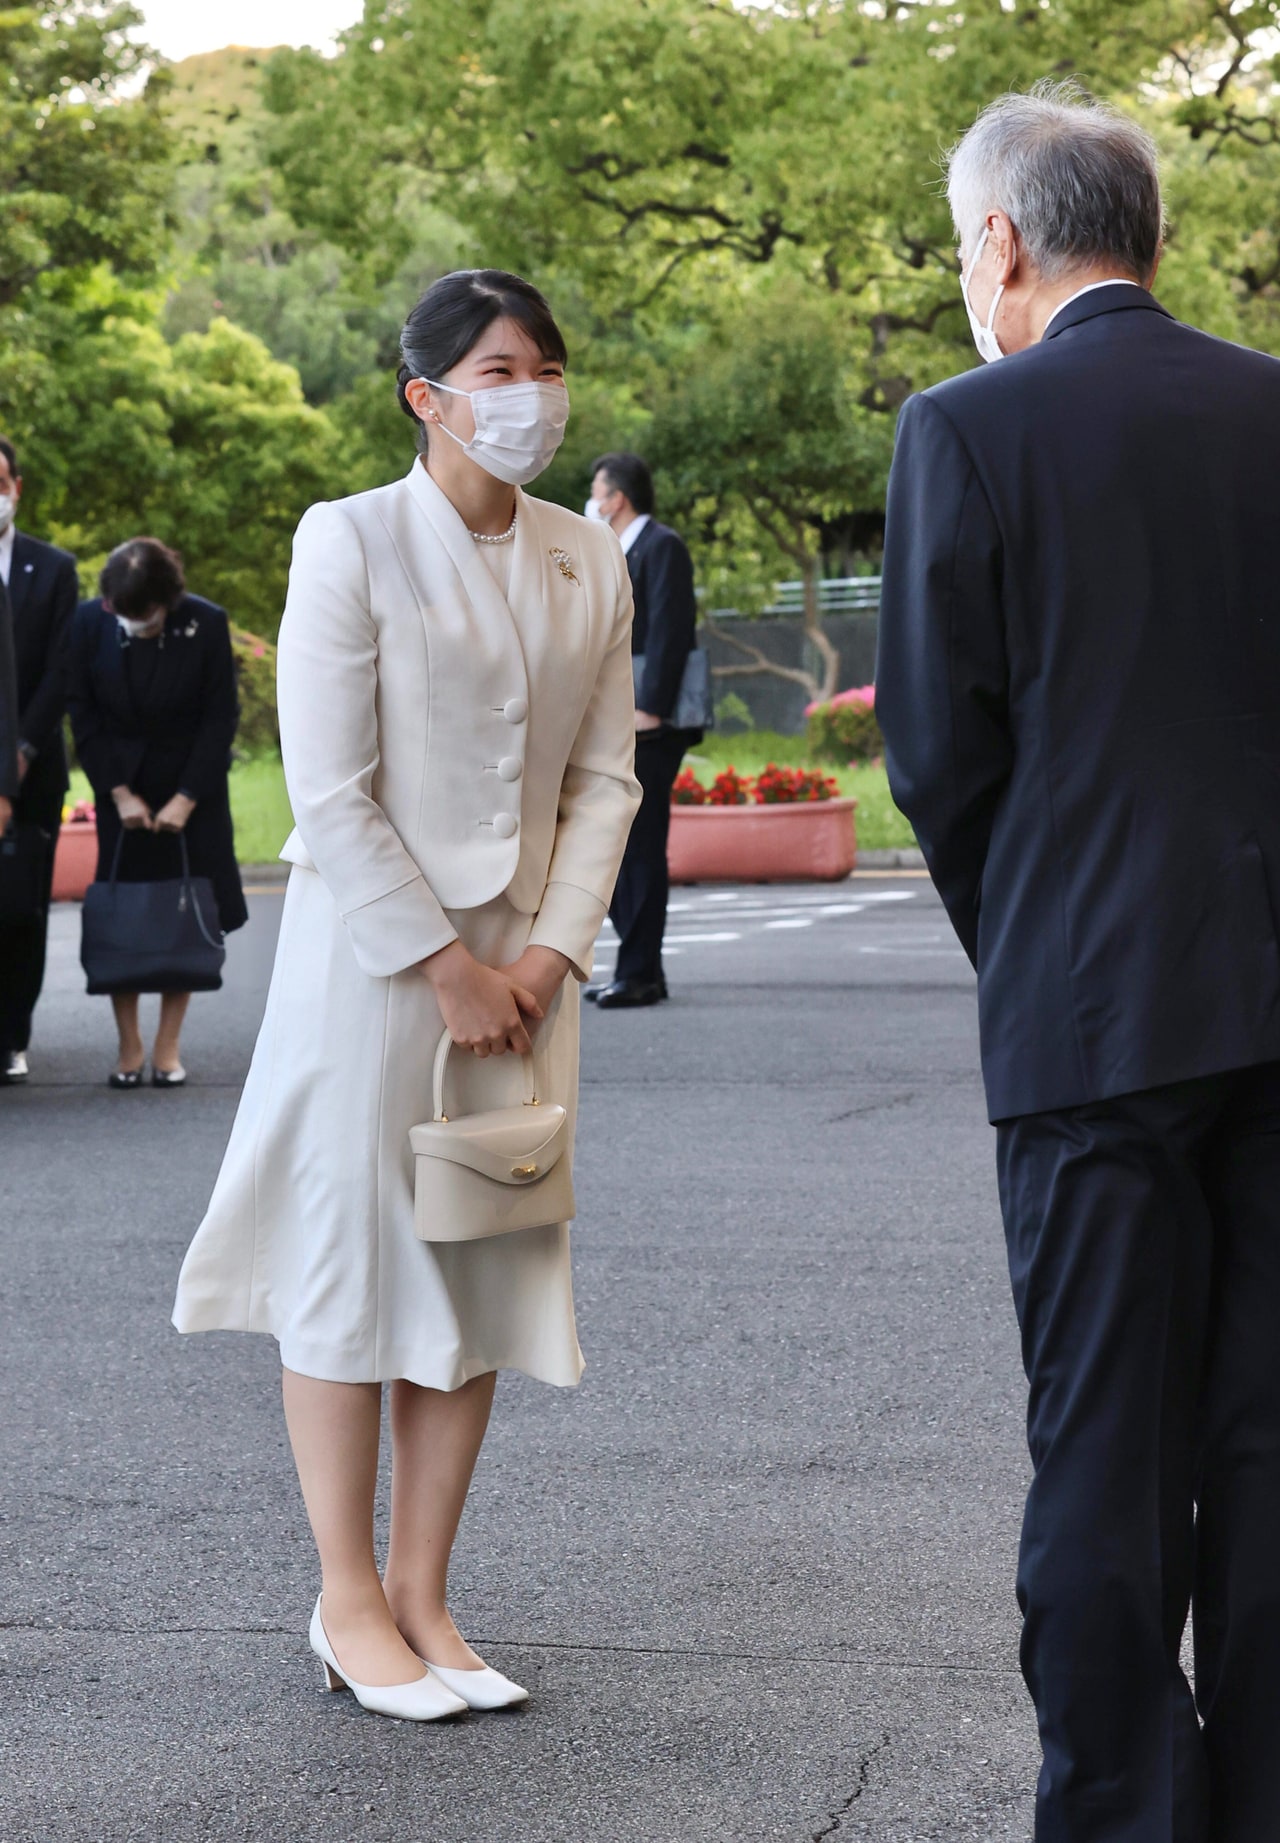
(443, 747)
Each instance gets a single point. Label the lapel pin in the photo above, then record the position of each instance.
(563, 562)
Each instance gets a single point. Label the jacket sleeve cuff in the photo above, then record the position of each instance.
(396, 931)
(569, 921)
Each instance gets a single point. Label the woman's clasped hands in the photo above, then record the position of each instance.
(490, 1010)
(137, 816)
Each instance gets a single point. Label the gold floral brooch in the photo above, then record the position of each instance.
(563, 562)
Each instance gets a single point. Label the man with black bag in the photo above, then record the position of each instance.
(42, 595)
(663, 640)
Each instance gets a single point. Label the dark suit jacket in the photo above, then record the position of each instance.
(666, 616)
(43, 592)
(180, 740)
(8, 704)
(1079, 685)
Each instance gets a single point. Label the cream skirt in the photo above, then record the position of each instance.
(309, 1233)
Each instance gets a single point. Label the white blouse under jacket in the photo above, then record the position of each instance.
(443, 744)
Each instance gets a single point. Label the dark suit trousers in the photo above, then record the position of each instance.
(22, 957)
(639, 907)
(1144, 1250)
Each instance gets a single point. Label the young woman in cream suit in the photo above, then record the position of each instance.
(457, 724)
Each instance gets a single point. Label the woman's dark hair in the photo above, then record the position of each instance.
(142, 574)
(456, 310)
(627, 473)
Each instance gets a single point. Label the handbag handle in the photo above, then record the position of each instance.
(443, 1048)
(115, 856)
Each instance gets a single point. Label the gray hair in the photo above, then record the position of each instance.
(1080, 181)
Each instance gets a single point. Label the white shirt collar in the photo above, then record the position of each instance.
(1112, 281)
(633, 531)
(6, 554)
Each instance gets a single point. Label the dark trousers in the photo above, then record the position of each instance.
(22, 955)
(1144, 1249)
(639, 907)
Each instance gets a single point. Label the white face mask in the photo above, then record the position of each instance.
(519, 428)
(8, 506)
(147, 629)
(983, 336)
(593, 509)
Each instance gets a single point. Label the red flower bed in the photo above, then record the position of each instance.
(774, 786)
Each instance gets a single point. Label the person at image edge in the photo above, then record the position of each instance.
(1079, 686)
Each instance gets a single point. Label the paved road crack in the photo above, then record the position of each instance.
(835, 1819)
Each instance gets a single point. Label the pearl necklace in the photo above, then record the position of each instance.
(505, 537)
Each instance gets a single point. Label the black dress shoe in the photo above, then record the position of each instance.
(592, 992)
(627, 994)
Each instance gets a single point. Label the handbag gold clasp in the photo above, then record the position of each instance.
(524, 1171)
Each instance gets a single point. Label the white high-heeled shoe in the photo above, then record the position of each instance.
(480, 1689)
(425, 1699)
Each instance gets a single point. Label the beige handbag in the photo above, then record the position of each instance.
(490, 1173)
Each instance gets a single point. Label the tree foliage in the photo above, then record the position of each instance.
(85, 177)
(207, 444)
(735, 208)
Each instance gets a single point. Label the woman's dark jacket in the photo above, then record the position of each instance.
(159, 716)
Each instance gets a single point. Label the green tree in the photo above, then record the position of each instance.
(765, 429)
(86, 172)
(206, 444)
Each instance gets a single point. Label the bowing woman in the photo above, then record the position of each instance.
(457, 725)
(152, 698)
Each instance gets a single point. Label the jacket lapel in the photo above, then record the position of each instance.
(21, 575)
(548, 598)
(492, 627)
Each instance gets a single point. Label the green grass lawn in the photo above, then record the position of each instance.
(260, 806)
(880, 825)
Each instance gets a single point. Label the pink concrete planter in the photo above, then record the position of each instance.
(812, 841)
(75, 859)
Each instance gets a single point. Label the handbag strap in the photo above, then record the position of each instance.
(120, 838)
(443, 1049)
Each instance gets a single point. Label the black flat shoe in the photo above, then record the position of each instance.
(125, 1078)
(168, 1078)
(628, 994)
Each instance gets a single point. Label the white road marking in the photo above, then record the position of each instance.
(700, 937)
(795, 921)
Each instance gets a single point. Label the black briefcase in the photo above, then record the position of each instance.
(152, 937)
(24, 861)
(695, 701)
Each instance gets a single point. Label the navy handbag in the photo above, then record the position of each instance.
(152, 937)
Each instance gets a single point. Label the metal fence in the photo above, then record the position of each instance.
(836, 595)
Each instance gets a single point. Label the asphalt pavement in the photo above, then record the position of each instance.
(757, 1570)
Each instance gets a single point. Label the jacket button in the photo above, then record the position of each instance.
(505, 826)
(510, 768)
(515, 710)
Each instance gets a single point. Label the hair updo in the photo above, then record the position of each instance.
(142, 574)
(455, 311)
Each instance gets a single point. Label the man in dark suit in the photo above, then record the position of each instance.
(8, 716)
(42, 593)
(664, 635)
(1079, 684)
